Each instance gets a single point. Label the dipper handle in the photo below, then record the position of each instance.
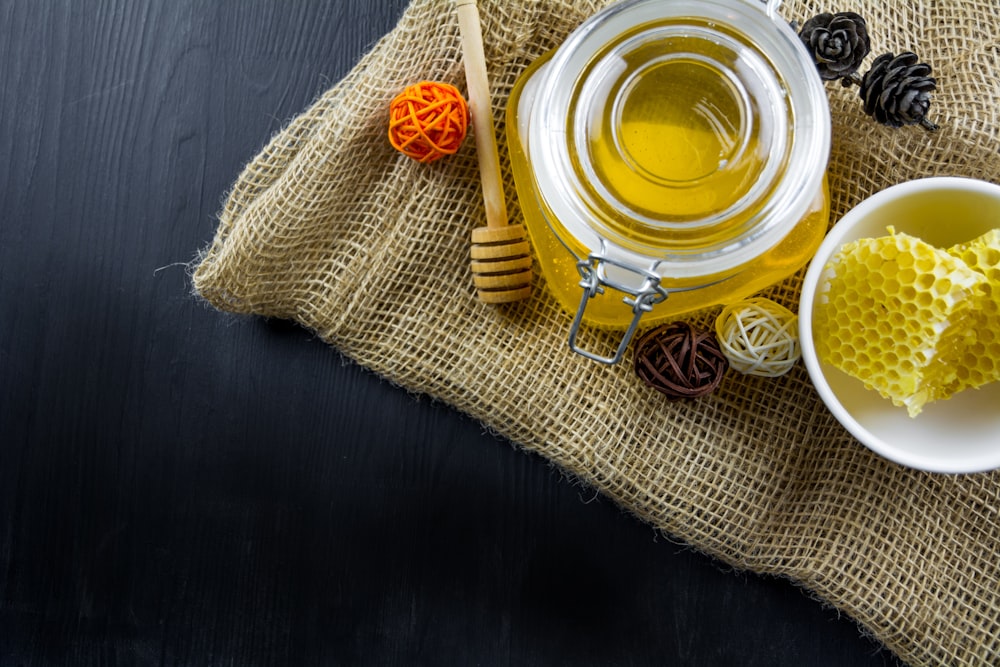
(501, 258)
(482, 115)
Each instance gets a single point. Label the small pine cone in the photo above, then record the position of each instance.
(837, 42)
(896, 91)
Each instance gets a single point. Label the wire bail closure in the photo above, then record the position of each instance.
(642, 299)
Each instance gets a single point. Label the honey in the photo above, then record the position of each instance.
(559, 261)
(668, 157)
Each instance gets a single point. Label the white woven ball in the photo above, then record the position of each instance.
(759, 337)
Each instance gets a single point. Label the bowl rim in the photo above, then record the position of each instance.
(833, 240)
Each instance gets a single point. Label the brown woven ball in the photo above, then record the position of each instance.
(680, 361)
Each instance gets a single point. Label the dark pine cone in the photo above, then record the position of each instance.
(680, 361)
(838, 43)
(896, 91)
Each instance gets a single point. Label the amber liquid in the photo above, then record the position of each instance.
(558, 264)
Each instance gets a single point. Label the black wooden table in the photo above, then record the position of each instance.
(184, 487)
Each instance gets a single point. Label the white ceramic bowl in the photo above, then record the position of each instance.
(958, 435)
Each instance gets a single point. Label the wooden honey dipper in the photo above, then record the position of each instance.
(501, 256)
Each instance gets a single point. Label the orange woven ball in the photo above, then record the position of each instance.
(428, 120)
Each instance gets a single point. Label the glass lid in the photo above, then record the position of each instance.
(683, 132)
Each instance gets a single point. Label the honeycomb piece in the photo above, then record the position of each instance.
(893, 311)
(979, 362)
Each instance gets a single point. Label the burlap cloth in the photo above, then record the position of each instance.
(330, 227)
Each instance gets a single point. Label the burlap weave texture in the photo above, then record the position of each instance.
(330, 227)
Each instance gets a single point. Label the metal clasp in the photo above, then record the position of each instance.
(594, 279)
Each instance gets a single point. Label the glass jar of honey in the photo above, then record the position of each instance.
(670, 156)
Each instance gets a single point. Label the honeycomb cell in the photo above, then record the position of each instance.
(873, 262)
(924, 264)
(926, 280)
(908, 301)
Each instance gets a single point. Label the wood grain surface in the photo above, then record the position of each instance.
(183, 487)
